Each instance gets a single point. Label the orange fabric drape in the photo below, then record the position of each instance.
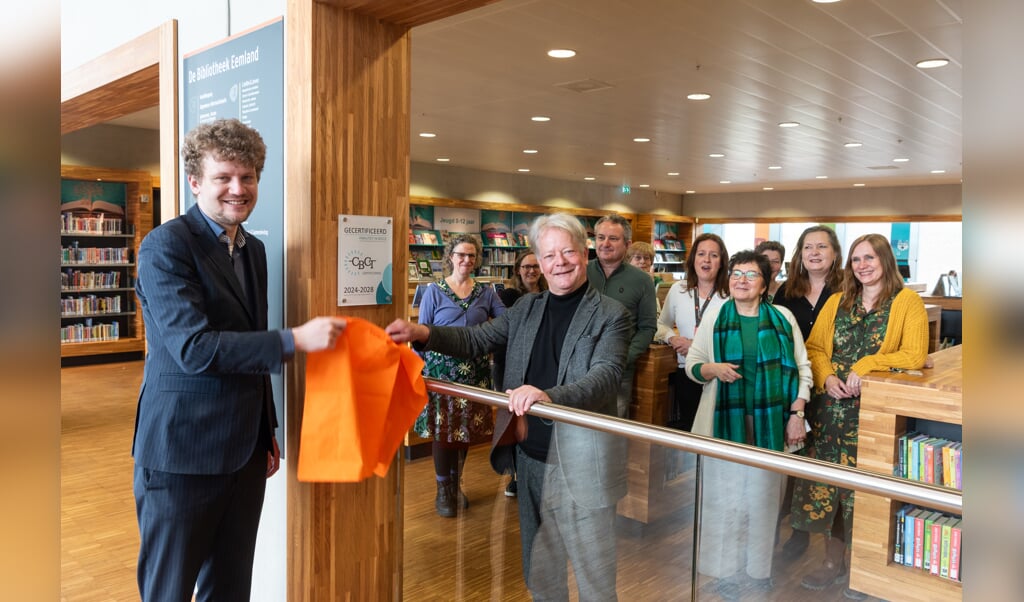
(362, 397)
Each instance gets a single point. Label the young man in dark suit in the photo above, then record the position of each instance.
(204, 433)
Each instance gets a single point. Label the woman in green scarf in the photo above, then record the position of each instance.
(750, 356)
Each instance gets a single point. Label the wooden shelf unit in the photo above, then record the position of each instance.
(647, 226)
(138, 217)
(887, 401)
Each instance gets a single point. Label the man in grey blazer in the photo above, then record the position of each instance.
(204, 432)
(568, 346)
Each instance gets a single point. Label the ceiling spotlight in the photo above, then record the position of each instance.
(824, 1)
(672, 173)
(725, 181)
(900, 160)
(522, 170)
(698, 96)
(853, 145)
(644, 186)
(820, 177)
(590, 178)
(609, 163)
(427, 135)
(767, 188)
(931, 63)
(641, 139)
(789, 124)
(561, 53)
(540, 118)
(443, 159)
(691, 192)
(716, 155)
(938, 171)
(530, 151)
(774, 167)
(859, 184)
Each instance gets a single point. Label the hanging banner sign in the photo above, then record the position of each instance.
(364, 260)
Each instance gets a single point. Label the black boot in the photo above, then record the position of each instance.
(445, 500)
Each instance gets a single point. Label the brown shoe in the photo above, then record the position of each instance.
(832, 569)
(445, 500)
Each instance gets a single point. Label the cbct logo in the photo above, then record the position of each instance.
(356, 263)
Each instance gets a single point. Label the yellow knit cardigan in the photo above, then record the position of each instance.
(905, 344)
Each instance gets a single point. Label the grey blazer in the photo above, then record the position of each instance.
(589, 370)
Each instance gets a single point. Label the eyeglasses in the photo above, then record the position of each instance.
(461, 256)
(749, 274)
(529, 266)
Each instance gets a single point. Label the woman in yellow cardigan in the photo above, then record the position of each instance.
(873, 324)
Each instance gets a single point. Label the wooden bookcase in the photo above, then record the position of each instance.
(136, 223)
(887, 401)
(650, 228)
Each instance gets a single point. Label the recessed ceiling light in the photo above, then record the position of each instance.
(938, 171)
(443, 159)
(540, 118)
(853, 145)
(641, 139)
(609, 163)
(789, 124)
(774, 167)
(824, 1)
(725, 181)
(820, 177)
(931, 63)
(561, 53)
(716, 155)
(530, 151)
(644, 186)
(691, 192)
(900, 160)
(590, 178)
(672, 173)
(859, 184)
(698, 96)
(427, 135)
(523, 169)
(767, 188)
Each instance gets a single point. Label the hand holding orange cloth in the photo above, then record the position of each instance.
(362, 397)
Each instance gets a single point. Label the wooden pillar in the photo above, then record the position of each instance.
(347, 97)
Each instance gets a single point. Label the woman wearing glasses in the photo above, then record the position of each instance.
(873, 323)
(454, 423)
(750, 358)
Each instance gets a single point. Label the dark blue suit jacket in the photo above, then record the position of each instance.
(206, 381)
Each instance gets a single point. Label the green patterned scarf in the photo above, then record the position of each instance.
(777, 380)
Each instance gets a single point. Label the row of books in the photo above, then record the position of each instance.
(98, 223)
(669, 244)
(669, 258)
(425, 237)
(76, 254)
(928, 540)
(506, 239)
(71, 278)
(89, 304)
(87, 332)
(928, 459)
(504, 256)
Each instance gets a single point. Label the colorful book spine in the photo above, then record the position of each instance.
(919, 539)
(954, 551)
(944, 560)
(926, 547)
(935, 553)
(908, 537)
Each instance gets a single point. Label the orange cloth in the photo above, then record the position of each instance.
(362, 397)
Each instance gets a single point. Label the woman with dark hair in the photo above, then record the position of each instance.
(526, 278)
(750, 360)
(706, 287)
(454, 423)
(776, 254)
(873, 323)
(815, 272)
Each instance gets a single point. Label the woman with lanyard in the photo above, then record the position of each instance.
(706, 286)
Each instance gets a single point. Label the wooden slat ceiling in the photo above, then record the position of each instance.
(844, 71)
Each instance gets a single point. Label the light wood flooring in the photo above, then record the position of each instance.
(473, 557)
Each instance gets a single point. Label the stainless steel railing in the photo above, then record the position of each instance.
(930, 496)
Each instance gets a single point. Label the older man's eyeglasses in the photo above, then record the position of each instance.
(749, 274)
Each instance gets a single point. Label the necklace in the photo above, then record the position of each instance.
(698, 309)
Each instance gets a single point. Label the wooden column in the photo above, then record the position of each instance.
(347, 99)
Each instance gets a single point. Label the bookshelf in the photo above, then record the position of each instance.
(99, 313)
(671, 237)
(887, 401)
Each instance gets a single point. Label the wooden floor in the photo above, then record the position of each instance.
(473, 557)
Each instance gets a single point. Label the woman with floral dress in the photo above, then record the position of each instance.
(455, 423)
(874, 323)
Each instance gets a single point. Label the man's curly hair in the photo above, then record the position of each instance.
(224, 140)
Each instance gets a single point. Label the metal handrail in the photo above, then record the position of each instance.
(930, 496)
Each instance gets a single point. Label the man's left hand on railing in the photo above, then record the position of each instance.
(521, 398)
